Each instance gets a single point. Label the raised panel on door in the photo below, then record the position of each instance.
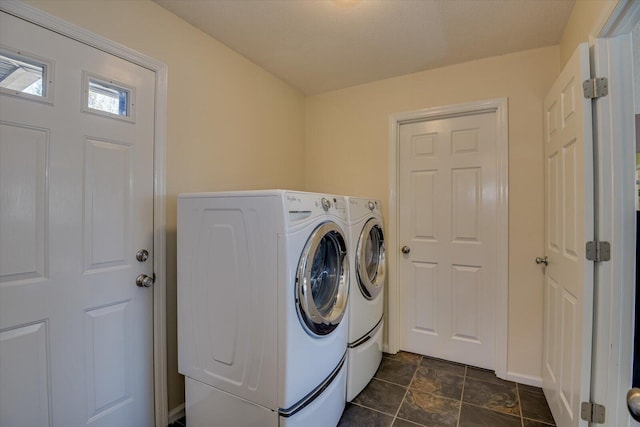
(467, 289)
(551, 332)
(424, 216)
(23, 203)
(424, 145)
(569, 370)
(570, 191)
(107, 203)
(25, 394)
(465, 141)
(553, 202)
(107, 359)
(466, 189)
(424, 309)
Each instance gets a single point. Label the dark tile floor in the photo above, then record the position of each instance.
(410, 390)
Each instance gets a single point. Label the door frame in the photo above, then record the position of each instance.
(612, 360)
(50, 22)
(499, 107)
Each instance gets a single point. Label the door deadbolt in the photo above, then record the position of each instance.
(540, 260)
(144, 281)
(142, 255)
(405, 249)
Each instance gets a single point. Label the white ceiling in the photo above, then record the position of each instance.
(322, 45)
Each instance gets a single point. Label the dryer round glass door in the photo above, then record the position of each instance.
(322, 280)
(370, 259)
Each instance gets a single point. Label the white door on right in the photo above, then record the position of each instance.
(569, 207)
(447, 228)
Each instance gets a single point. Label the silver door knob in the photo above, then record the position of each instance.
(633, 403)
(144, 281)
(544, 260)
(405, 249)
(142, 255)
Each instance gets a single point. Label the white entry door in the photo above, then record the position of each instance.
(568, 288)
(76, 205)
(447, 232)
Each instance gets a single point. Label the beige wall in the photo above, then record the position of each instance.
(347, 146)
(230, 124)
(587, 19)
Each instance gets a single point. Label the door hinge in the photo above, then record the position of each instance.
(595, 88)
(598, 251)
(592, 412)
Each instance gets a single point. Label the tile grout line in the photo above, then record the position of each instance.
(475, 405)
(544, 423)
(395, 417)
(464, 382)
(370, 408)
(537, 420)
(519, 404)
(389, 382)
(483, 407)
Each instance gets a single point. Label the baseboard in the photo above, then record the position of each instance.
(524, 379)
(511, 376)
(176, 413)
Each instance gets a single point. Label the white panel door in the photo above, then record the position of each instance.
(568, 288)
(76, 204)
(447, 222)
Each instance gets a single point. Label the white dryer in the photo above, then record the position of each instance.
(366, 297)
(262, 302)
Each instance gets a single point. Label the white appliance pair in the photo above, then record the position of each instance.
(263, 306)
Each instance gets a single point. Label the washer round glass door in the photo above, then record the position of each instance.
(370, 259)
(322, 280)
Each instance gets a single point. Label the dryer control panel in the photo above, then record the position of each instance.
(310, 205)
(361, 208)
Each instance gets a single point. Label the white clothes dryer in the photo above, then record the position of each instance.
(366, 297)
(263, 282)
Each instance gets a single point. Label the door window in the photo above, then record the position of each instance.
(108, 98)
(322, 280)
(26, 76)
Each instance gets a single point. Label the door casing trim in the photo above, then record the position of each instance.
(50, 22)
(499, 107)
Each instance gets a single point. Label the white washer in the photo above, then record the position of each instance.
(262, 303)
(366, 294)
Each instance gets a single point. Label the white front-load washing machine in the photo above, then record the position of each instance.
(263, 281)
(366, 298)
